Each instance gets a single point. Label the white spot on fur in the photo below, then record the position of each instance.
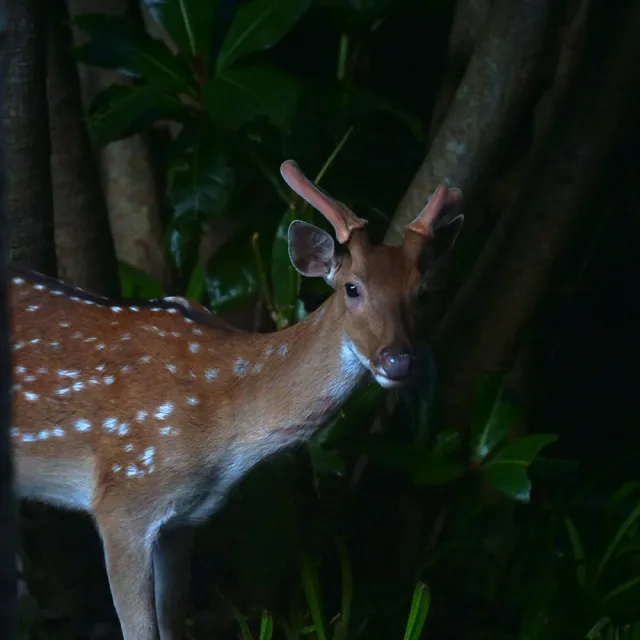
(123, 429)
(241, 367)
(141, 415)
(147, 456)
(211, 374)
(194, 347)
(82, 425)
(18, 281)
(32, 397)
(192, 400)
(109, 380)
(164, 410)
(62, 391)
(57, 431)
(172, 368)
(110, 424)
(28, 437)
(67, 373)
(33, 307)
(283, 350)
(168, 431)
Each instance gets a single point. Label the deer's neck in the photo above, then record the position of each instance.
(306, 372)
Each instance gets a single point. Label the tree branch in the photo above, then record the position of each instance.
(497, 83)
(481, 330)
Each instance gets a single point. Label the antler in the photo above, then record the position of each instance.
(343, 220)
(443, 197)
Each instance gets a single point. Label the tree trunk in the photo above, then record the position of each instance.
(499, 80)
(8, 519)
(481, 331)
(29, 213)
(84, 245)
(126, 170)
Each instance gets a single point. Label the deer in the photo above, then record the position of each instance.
(145, 414)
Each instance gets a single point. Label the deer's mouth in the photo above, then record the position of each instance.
(388, 383)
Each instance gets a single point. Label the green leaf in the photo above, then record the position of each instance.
(418, 613)
(119, 43)
(266, 626)
(231, 277)
(507, 470)
(285, 280)
(182, 238)
(242, 622)
(195, 287)
(258, 25)
(489, 431)
(238, 96)
(435, 470)
(121, 110)
(188, 22)
(617, 539)
(347, 587)
(311, 587)
(578, 551)
(201, 181)
(135, 283)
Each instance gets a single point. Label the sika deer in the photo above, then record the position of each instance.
(145, 415)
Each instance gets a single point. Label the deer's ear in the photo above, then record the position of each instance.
(441, 242)
(311, 250)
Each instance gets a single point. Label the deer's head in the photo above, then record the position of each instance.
(381, 288)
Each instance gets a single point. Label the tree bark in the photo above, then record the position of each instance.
(29, 214)
(84, 245)
(501, 76)
(126, 171)
(8, 511)
(481, 331)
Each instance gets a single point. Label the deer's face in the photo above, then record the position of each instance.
(381, 288)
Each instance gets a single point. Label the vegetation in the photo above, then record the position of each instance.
(499, 498)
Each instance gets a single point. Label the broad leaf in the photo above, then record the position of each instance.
(119, 43)
(494, 417)
(120, 111)
(507, 470)
(188, 22)
(258, 25)
(238, 96)
(135, 283)
(201, 181)
(182, 238)
(232, 277)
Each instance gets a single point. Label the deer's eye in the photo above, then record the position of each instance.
(352, 290)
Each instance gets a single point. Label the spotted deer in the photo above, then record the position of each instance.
(145, 414)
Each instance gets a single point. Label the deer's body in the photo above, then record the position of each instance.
(145, 415)
(130, 389)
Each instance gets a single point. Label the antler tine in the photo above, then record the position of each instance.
(443, 197)
(343, 220)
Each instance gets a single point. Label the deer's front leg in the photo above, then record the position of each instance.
(128, 556)
(171, 571)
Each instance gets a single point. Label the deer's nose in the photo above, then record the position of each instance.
(396, 361)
